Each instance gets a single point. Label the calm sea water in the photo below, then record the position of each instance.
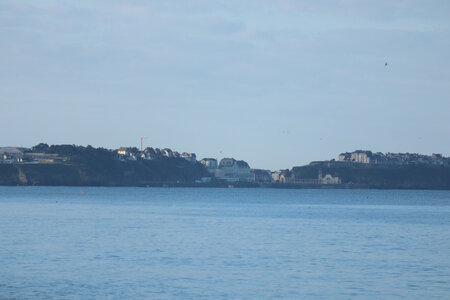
(156, 243)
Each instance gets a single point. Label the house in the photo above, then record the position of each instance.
(11, 154)
(262, 176)
(147, 155)
(167, 152)
(128, 153)
(191, 157)
(282, 176)
(344, 156)
(276, 176)
(209, 163)
(125, 151)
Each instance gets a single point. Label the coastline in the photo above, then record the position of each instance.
(242, 185)
(70, 165)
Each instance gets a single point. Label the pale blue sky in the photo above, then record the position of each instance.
(276, 83)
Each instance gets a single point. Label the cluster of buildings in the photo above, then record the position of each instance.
(11, 155)
(231, 170)
(367, 157)
(227, 170)
(132, 153)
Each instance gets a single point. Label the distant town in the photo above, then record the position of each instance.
(232, 171)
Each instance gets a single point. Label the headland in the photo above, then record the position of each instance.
(70, 165)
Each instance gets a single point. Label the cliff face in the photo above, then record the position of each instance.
(129, 173)
(379, 176)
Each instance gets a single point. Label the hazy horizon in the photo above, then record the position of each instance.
(275, 83)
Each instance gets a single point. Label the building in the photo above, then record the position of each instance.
(361, 156)
(232, 170)
(167, 152)
(262, 176)
(125, 151)
(191, 157)
(276, 175)
(229, 169)
(11, 154)
(209, 163)
(344, 156)
(128, 153)
(328, 179)
(378, 158)
(149, 153)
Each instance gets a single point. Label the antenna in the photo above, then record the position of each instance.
(142, 142)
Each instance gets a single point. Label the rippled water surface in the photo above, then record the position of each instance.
(151, 243)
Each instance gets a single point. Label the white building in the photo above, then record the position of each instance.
(276, 175)
(361, 156)
(232, 170)
(229, 169)
(328, 179)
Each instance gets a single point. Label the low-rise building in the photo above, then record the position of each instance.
(128, 153)
(344, 156)
(11, 154)
(261, 176)
(189, 157)
(167, 152)
(209, 163)
(125, 151)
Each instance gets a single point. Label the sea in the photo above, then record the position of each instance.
(213, 243)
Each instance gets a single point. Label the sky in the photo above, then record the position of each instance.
(277, 83)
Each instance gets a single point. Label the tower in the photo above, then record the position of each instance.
(142, 142)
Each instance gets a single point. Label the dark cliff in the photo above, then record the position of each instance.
(380, 176)
(100, 167)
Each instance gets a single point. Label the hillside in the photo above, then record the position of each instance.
(379, 176)
(78, 165)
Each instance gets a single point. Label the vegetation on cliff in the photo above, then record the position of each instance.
(98, 166)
